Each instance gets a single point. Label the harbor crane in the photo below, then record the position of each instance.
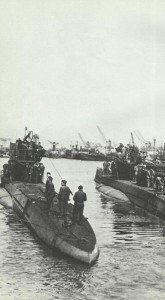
(107, 142)
(86, 144)
(146, 144)
(140, 137)
(102, 134)
(81, 138)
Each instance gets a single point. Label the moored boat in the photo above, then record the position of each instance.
(22, 179)
(143, 197)
(88, 156)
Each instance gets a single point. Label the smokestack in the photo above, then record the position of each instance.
(54, 146)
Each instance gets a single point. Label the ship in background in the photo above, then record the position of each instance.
(139, 173)
(85, 150)
(4, 147)
(90, 151)
(93, 151)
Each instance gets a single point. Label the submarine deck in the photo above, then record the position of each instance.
(78, 235)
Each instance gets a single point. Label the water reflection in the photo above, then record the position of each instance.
(132, 244)
(43, 264)
(131, 224)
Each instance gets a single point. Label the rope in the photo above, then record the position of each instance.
(56, 169)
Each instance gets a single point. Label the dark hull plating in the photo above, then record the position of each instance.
(144, 198)
(76, 241)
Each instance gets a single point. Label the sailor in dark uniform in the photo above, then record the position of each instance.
(79, 198)
(47, 180)
(49, 192)
(63, 197)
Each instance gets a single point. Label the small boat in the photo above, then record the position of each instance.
(80, 155)
(28, 195)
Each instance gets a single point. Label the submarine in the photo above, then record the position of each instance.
(22, 179)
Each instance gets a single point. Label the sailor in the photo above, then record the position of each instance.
(158, 184)
(163, 181)
(106, 166)
(11, 169)
(114, 168)
(35, 173)
(30, 173)
(19, 147)
(152, 178)
(41, 172)
(143, 176)
(18, 143)
(47, 180)
(49, 192)
(139, 175)
(40, 152)
(135, 173)
(63, 197)
(148, 176)
(79, 198)
(6, 173)
(26, 173)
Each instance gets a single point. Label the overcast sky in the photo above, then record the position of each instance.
(67, 66)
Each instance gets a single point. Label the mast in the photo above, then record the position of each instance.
(107, 142)
(25, 131)
(132, 139)
(154, 145)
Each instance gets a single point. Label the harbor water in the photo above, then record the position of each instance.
(131, 264)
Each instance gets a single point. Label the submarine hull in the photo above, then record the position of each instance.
(110, 192)
(76, 241)
(142, 197)
(5, 198)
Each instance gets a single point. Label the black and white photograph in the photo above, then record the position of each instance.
(82, 150)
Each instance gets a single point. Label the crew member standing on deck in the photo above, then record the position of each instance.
(79, 198)
(63, 197)
(49, 192)
(47, 179)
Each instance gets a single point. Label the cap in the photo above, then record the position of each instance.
(64, 181)
(80, 187)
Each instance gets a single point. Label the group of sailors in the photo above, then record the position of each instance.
(130, 153)
(24, 163)
(63, 198)
(147, 177)
(140, 174)
(29, 172)
(34, 174)
(28, 149)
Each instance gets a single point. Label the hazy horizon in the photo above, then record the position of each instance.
(68, 66)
